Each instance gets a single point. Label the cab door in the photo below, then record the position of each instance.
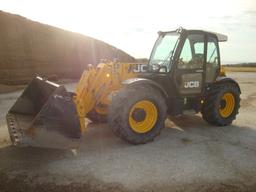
(189, 65)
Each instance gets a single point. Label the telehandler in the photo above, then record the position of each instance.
(183, 73)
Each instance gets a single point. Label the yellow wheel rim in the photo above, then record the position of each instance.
(143, 116)
(227, 105)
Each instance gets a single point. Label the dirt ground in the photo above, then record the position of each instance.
(189, 155)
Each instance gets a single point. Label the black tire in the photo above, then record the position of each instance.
(210, 109)
(96, 117)
(119, 109)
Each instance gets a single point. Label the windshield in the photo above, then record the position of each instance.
(163, 51)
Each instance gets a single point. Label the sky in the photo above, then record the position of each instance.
(132, 25)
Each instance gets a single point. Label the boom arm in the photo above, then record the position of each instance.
(96, 84)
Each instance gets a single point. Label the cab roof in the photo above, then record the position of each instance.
(221, 37)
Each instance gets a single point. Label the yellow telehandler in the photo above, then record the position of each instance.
(183, 73)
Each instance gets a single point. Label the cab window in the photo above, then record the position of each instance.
(192, 53)
(212, 62)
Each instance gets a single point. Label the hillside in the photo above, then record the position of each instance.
(30, 48)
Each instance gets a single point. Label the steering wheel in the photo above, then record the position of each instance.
(181, 63)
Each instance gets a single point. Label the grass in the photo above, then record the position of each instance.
(240, 69)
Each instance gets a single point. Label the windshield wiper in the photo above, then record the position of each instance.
(170, 54)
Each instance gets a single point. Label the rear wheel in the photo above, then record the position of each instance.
(137, 114)
(222, 104)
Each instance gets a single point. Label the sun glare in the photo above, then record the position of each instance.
(132, 25)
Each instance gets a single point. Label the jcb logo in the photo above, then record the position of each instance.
(191, 84)
(140, 68)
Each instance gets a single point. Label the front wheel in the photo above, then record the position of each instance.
(96, 117)
(137, 114)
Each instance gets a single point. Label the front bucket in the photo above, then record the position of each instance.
(44, 116)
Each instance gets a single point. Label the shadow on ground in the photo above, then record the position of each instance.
(189, 155)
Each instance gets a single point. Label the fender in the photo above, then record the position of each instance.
(143, 81)
(223, 79)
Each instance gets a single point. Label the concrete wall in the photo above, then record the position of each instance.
(29, 48)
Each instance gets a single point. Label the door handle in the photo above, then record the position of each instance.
(199, 70)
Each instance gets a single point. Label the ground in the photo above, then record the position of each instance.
(189, 155)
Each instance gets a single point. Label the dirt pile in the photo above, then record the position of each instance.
(30, 48)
